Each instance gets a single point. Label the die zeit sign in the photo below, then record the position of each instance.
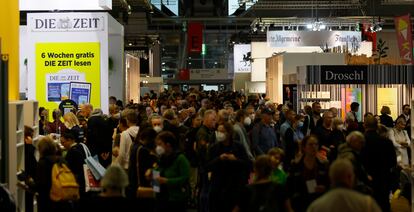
(344, 75)
(60, 22)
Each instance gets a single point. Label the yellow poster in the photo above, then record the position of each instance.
(62, 65)
(387, 97)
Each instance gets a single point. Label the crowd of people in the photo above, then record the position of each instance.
(225, 151)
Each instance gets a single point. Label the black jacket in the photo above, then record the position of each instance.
(379, 159)
(386, 120)
(146, 161)
(75, 157)
(99, 137)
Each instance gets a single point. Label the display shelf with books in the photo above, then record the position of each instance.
(16, 151)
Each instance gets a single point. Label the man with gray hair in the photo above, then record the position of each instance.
(351, 151)
(341, 197)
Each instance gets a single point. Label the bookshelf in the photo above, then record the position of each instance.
(16, 151)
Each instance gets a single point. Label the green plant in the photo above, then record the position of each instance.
(381, 51)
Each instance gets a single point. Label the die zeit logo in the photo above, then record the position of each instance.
(67, 23)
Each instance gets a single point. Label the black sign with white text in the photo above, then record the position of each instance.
(344, 74)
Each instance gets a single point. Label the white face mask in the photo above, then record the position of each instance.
(159, 150)
(247, 121)
(252, 116)
(220, 136)
(158, 129)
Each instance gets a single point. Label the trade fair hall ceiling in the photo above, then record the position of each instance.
(145, 21)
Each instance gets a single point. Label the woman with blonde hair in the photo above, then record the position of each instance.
(70, 120)
(72, 124)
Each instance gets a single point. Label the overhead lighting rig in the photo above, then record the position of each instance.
(320, 24)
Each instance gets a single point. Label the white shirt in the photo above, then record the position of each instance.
(344, 200)
(125, 146)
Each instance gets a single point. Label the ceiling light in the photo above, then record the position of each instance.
(129, 44)
(308, 26)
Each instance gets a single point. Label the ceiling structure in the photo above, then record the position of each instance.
(144, 23)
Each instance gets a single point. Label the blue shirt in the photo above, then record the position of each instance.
(264, 138)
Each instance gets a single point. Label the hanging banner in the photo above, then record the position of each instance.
(388, 97)
(242, 58)
(195, 38)
(351, 39)
(404, 37)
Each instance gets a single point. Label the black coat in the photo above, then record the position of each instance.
(146, 161)
(75, 157)
(386, 120)
(228, 178)
(379, 159)
(99, 137)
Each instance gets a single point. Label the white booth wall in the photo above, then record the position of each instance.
(116, 53)
(132, 78)
(287, 63)
(261, 51)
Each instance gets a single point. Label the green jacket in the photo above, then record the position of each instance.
(178, 174)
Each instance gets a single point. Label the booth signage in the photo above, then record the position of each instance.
(404, 37)
(207, 74)
(242, 58)
(195, 37)
(67, 22)
(313, 38)
(67, 58)
(344, 74)
(66, 5)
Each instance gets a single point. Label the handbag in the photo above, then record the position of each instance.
(143, 192)
(98, 171)
(91, 184)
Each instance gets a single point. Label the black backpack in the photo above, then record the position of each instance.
(7, 203)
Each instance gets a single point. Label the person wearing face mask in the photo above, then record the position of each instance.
(174, 170)
(251, 112)
(242, 120)
(229, 167)
(156, 122)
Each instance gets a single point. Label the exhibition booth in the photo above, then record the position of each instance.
(77, 56)
(372, 86)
